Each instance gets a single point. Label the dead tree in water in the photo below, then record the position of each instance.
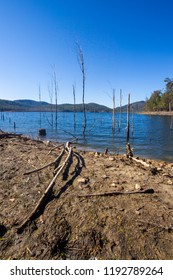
(82, 67)
(128, 148)
(56, 99)
(113, 112)
(120, 112)
(40, 102)
(50, 89)
(74, 109)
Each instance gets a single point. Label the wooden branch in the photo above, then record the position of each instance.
(45, 166)
(56, 147)
(46, 193)
(118, 193)
(140, 161)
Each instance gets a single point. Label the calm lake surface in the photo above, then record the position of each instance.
(150, 136)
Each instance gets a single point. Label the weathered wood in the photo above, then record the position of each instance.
(46, 193)
(45, 166)
(141, 162)
(118, 193)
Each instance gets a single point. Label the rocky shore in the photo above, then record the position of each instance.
(100, 206)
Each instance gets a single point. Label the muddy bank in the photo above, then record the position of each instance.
(101, 206)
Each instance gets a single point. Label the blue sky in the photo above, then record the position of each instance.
(126, 45)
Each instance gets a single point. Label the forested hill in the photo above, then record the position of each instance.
(36, 106)
(161, 100)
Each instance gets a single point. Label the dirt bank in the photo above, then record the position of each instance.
(159, 113)
(101, 206)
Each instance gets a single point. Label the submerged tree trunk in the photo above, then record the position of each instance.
(56, 100)
(113, 112)
(120, 112)
(128, 120)
(128, 148)
(82, 67)
(74, 109)
(40, 101)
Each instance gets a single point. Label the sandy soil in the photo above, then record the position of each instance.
(120, 220)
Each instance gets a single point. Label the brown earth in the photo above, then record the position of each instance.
(120, 220)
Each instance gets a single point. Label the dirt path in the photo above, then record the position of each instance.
(80, 220)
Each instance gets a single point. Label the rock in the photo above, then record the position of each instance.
(105, 176)
(137, 187)
(113, 185)
(82, 180)
(169, 182)
(111, 158)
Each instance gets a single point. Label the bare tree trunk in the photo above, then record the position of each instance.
(128, 121)
(128, 148)
(132, 120)
(74, 97)
(113, 112)
(51, 103)
(40, 101)
(120, 112)
(82, 67)
(56, 99)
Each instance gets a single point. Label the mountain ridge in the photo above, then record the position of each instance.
(29, 105)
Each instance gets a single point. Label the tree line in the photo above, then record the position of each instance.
(161, 100)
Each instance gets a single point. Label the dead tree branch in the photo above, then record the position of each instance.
(118, 193)
(47, 192)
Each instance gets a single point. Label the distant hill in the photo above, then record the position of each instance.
(36, 106)
(31, 105)
(137, 107)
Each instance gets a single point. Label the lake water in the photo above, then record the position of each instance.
(150, 136)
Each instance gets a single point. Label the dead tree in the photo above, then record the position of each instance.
(82, 67)
(120, 112)
(50, 89)
(74, 108)
(39, 89)
(56, 98)
(113, 112)
(128, 148)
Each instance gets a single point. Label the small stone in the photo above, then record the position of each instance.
(169, 182)
(113, 185)
(137, 186)
(105, 176)
(12, 199)
(82, 180)
(111, 158)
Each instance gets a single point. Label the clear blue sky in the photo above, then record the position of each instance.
(127, 44)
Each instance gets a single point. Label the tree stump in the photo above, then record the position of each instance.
(42, 132)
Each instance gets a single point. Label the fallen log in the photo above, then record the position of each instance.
(118, 193)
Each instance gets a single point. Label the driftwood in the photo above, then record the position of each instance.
(118, 193)
(47, 192)
(47, 165)
(140, 161)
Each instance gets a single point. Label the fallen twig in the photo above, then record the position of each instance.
(140, 161)
(117, 193)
